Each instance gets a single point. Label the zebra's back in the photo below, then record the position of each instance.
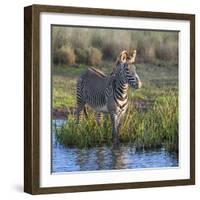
(91, 88)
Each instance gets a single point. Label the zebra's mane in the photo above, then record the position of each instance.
(98, 72)
(116, 68)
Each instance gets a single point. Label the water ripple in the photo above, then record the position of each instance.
(106, 158)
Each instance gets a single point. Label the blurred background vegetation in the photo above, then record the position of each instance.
(92, 46)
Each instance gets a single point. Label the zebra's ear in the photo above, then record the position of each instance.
(132, 58)
(123, 57)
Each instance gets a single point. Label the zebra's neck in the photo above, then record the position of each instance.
(120, 90)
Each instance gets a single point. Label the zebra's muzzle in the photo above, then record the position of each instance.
(139, 85)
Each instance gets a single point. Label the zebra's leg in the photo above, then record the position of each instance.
(115, 128)
(120, 118)
(99, 118)
(79, 100)
(80, 107)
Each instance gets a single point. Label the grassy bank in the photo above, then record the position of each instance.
(156, 127)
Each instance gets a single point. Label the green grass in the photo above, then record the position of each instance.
(63, 91)
(157, 127)
(68, 71)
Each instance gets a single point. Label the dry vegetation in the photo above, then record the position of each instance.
(91, 46)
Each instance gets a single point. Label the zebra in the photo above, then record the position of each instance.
(108, 93)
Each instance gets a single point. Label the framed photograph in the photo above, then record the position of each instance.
(109, 99)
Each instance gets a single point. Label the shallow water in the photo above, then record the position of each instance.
(66, 159)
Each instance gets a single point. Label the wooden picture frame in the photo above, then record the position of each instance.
(32, 106)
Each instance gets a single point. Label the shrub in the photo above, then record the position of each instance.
(57, 54)
(81, 55)
(69, 55)
(110, 51)
(95, 56)
(64, 55)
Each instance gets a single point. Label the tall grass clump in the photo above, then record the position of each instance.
(81, 55)
(95, 56)
(91, 56)
(156, 127)
(64, 55)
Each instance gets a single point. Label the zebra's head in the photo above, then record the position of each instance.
(125, 57)
(130, 76)
(127, 69)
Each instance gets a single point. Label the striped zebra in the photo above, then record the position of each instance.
(108, 94)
